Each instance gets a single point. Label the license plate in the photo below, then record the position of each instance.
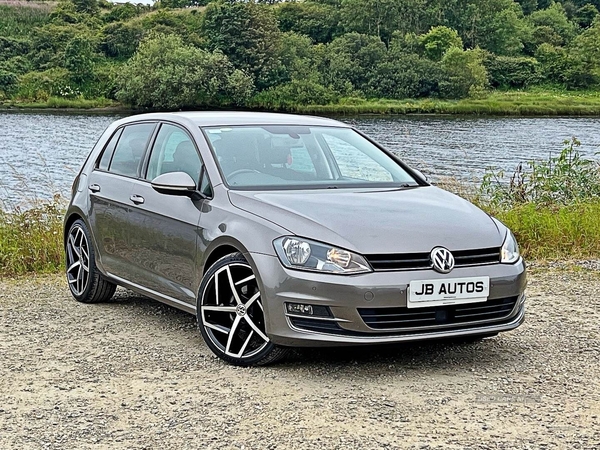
(448, 291)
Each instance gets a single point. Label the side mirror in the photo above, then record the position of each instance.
(420, 174)
(174, 183)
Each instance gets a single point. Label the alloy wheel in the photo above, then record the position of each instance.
(232, 311)
(78, 260)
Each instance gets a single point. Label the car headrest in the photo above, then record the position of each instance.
(274, 154)
(235, 148)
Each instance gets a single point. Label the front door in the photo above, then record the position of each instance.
(164, 228)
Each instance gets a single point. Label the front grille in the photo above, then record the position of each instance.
(413, 261)
(436, 316)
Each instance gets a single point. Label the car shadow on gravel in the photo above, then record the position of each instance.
(436, 355)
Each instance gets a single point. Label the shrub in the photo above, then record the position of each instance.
(561, 180)
(166, 73)
(465, 73)
(507, 71)
(8, 82)
(121, 39)
(408, 76)
(297, 92)
(38, 86)
(438, 41)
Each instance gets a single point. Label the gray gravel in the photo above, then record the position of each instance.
(135, 374)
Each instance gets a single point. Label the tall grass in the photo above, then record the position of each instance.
(31, 238)
(64, 103)
(546, 232)
(18, 20)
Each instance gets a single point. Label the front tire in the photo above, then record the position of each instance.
(86, 283)
(231, 315)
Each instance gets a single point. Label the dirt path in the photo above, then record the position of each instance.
(135, 374)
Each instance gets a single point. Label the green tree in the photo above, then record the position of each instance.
(317, 21)
(80, 60)
(300, 59)
(585, 52)
(465, 72)
(439, 40)
(382, 17)
(248, 34)
(353, 59)
(121, 39)
(166, 73)
(86, 6)
(556, 18)
(585, 15)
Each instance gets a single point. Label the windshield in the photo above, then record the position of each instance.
(298, 157)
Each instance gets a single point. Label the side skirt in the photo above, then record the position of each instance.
(153, 294)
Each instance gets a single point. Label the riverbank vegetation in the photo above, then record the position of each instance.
(552, 207)
(312, 56)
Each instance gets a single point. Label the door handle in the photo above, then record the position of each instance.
(94, 187)
(137, 199)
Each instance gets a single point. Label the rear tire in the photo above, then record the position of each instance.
(231, 315)
(86, 283)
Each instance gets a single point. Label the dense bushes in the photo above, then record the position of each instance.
(166, 73)
(303, 53)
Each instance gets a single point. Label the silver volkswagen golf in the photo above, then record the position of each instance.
(279, 231)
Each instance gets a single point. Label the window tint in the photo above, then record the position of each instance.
(130, 149)
(109, 150)
(354, 162)
(173, 151)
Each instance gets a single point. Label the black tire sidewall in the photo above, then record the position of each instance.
(93, 270)
(244, 362)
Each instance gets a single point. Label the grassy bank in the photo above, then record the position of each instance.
(61, 103)
(566, 232)
(512, 103)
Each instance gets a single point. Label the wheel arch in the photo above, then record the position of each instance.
(221, 248)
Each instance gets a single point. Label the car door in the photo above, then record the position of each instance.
(164, 228)
(110, 185)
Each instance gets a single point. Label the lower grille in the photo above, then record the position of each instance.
(436, 316)
(319, 326)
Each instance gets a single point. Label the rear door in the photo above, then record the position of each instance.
(110, 185)
(164, 228)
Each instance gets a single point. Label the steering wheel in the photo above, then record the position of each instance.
(240, 171)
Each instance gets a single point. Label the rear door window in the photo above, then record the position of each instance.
(130, 149)
(109, 150)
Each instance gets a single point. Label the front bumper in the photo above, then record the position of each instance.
(347, 297)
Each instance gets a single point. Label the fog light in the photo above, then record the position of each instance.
(298, 308)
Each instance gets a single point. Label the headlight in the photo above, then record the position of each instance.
(303, 254)
(510, 249)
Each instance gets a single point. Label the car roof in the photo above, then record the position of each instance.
(231, 118)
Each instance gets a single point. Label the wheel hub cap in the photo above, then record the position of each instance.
(240, 310)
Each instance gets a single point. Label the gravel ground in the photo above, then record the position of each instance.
(136, 374)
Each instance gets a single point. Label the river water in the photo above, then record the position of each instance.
(41, 152)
